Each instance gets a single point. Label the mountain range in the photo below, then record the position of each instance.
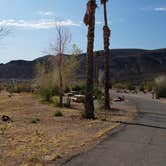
(126, 65)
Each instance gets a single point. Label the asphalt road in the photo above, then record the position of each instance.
(142, 143)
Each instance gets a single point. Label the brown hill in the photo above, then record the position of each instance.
(134, 65)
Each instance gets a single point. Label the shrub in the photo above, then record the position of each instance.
(1, 87)
(131, 87)
(67, 89)
(58, 114)
(79, 87)
(160, 87)
(149, 86)
(34, 160)
(45, 94)
(97, 93)
(18, 87)
(120, 86)
(55, 101)
(161, 90)
(35, 120)
(142, 88)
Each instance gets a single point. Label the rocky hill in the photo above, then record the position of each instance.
(134, 65)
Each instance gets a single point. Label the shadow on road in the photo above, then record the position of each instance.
(139, 124)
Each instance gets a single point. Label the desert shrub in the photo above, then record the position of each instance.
(128, 86)
(79, 87)
(18, 87)
(58, 114)
(23, 87)
(34, 160)
(120, 86)
(97, 93)
(55, 101)
(10, 87)
(35, 120)
(142, 88)
(161, 90)
(1, 87)
(131, 87)
(67, 89)
(3, 129)
(45, 94)
(150, 86)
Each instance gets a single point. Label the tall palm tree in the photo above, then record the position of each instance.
(106, 36)
(89, 20)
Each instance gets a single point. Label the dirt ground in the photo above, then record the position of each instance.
(37, 138)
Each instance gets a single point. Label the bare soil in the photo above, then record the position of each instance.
(37, 138)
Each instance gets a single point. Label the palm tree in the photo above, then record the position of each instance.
(106, 36)
(89, 20)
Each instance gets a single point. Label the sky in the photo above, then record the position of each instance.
(134, 24)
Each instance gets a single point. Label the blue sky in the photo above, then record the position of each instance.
(134, 24)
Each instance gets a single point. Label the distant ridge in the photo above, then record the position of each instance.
(134, 65)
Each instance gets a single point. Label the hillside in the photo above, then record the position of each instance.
(126, 65)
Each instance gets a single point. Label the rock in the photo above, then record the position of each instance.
(6, 118)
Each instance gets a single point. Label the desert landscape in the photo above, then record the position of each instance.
(82, 83)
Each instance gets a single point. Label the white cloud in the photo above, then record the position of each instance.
(155, 9)
(39, 24)
(45, 13)
(160, 9)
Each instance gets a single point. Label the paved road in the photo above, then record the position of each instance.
(134, 145)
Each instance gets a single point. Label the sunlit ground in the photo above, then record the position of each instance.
(36, 136)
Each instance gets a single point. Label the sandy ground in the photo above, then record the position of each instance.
(51, 139)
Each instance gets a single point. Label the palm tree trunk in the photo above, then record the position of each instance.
(89, 20)
(106, 35)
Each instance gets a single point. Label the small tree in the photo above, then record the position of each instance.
(70, 66)
(47, 79)
(76, 50)
(44, 83)
(63, 38)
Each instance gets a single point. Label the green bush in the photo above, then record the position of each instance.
(58, 114)
(18, 87)
(149, 86)
(161, 90)
(47, 93)
(97, 93)
(67, 89)
(1, 87)
(55, 101)
(131, 87)
(142, 88)
(120, 86)
(79, 87)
